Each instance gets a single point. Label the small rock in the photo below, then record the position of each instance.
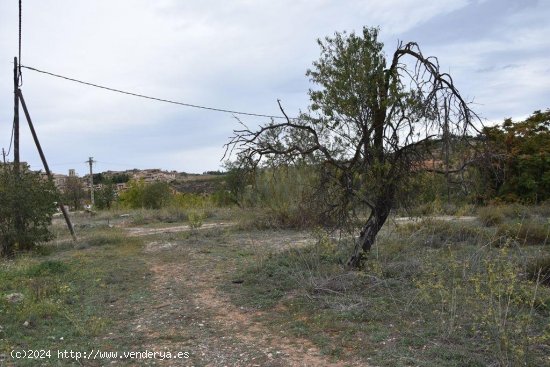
(15, 297)
(26, 324)
(61, 338)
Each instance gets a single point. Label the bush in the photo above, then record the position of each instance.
(27, 203)
(149, 196)
(196, 219)
(191, 201)
(289, 198)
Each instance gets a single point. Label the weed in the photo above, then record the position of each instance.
(196, 219)
(450, 298)
(63, 293)
(438, 233)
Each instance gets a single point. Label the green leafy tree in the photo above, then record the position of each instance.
(237, 179)
(105, 196)
(521, 152)
(371, 124)
(156, 195)
(133, 196)
(74, 192)
(27, 203)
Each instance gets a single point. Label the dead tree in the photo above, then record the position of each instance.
(371, 125)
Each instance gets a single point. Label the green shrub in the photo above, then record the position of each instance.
(192, 201)
(27, 204)
(288, 197)
(196, 219)
(488, 292)
(48, 267)
(142, 195)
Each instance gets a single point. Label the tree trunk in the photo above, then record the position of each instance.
(368, 233)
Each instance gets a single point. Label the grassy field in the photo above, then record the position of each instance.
(229, 291)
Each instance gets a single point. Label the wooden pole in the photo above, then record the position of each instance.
(15, 116)
(44, 162)
(91, 162)
(16, 169)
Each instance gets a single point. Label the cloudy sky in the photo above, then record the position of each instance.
(241, 55)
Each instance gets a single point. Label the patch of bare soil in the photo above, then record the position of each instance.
(141, 231)
(187, 313)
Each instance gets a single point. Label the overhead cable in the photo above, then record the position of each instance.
(154, 98)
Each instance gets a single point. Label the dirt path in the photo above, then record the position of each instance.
(187, 312)
(142, 231)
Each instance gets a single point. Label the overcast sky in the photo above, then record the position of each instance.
(240, 55)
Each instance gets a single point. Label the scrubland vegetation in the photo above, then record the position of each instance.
(472, 290)
(450, 266)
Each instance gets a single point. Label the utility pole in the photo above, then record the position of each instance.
(43, 157)
(15, 116)
(91, 161)
(4, 155)
(17, 211)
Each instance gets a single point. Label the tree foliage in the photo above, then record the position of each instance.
(27, 203)
(74, 192)
(371, 124)
(105, 196)
(149, 196)
(522, 158)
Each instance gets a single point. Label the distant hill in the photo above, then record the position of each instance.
(198, 184)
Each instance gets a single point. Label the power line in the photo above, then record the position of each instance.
(154, 98)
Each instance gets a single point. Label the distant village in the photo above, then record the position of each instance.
(119, 179)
